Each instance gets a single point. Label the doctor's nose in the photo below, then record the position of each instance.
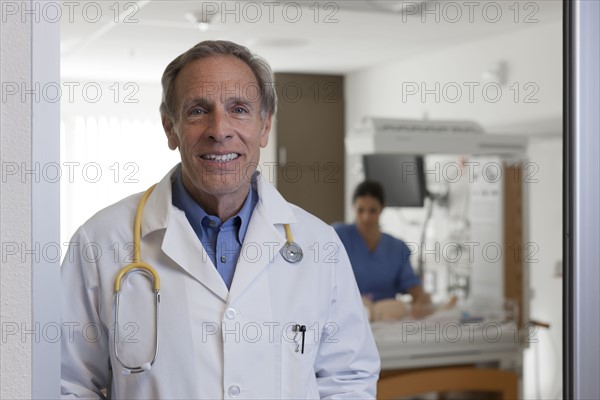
(219, 127)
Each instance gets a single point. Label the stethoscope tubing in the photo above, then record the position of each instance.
(291, 252)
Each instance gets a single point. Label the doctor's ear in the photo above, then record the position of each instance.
(172, 138)
(266, 128)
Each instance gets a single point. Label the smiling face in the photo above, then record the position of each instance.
(367, 210)
(217, 128)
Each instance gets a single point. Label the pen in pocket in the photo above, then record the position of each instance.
(302, 330)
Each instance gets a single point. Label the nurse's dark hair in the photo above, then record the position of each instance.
(209, 48)
(370, 188)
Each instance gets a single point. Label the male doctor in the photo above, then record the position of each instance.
(239, 316)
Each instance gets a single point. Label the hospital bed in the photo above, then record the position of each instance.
(444, 354)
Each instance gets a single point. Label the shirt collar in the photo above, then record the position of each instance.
(245, 212)
(195, 213)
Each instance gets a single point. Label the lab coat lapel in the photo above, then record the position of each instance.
(264, 238)
(180, 242)
(261, 246)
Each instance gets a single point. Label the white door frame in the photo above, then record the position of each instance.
(45, 212)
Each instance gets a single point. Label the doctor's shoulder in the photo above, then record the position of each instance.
(114, 222)
(343, 230)
(309, 222)
(310, 228)
(317, 237)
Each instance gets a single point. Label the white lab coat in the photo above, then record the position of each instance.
(214, 343)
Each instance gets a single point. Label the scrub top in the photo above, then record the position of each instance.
(383, 273)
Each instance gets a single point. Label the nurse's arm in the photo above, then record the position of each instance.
(421, 302)
(347, 364)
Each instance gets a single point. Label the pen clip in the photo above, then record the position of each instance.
(302, 329)
(296, 329)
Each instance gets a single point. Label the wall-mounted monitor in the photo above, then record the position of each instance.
(402, 177)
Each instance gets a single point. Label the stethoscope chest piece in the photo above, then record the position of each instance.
(291, 252)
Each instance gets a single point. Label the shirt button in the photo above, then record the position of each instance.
(211, 223)
(234, 391)
(230, 314)
(223, 259)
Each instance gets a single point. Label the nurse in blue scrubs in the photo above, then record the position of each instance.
(381, 262)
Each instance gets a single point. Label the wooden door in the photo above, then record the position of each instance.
(310, 141)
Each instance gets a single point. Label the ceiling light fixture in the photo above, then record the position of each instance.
(498, 72)
(399, 7)
(201, 20)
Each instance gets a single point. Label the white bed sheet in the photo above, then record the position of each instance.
(442, 340)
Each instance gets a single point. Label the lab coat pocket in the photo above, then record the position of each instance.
(298, 379)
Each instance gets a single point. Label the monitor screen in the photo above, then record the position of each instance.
(402, 177)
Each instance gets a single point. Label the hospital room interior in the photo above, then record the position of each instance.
(455, 108)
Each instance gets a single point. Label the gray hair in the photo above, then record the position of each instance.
(208, 48)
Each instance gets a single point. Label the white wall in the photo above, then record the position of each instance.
(15, 214)
(533, 56)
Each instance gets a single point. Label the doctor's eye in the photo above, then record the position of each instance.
(197, 111)
(239, 110)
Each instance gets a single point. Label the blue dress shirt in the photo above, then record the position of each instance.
(221, 240)
(383, 273)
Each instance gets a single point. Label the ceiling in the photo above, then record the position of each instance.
(136, 40)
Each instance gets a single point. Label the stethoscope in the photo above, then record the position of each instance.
(291, 252)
